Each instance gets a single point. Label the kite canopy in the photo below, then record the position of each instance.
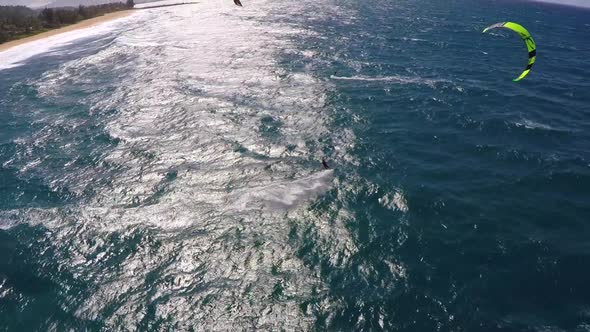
(526, 36)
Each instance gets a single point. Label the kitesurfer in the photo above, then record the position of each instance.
(325, 164)
(238, 3)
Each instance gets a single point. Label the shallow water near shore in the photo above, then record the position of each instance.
(12, 52)
(164, 172)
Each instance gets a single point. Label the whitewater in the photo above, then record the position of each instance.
(163, 171)
(211, 148)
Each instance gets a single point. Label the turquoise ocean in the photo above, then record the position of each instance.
(163, 171)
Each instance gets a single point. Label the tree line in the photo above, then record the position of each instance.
(20, 21)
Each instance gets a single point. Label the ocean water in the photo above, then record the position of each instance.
(163, 172)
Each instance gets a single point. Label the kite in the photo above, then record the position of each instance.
(526, 36)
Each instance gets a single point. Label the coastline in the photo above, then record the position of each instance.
(80, 25)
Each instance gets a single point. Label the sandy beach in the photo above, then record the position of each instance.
(80, 25)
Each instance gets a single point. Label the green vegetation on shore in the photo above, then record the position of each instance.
(19, 21)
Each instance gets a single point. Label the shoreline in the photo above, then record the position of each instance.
(76, 26)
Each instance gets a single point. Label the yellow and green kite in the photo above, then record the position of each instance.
(526, 36)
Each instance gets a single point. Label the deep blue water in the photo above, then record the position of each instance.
(158, 180)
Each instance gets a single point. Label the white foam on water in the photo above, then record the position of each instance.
(529, 124)
(394, 201)
(213, 151)
(284, 195)
(16, 56)
(393, 79)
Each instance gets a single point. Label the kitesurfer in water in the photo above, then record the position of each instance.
(325, 164)
(238, 3)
